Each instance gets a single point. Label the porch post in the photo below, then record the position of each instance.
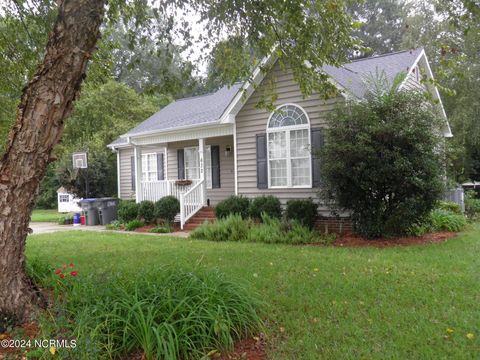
(201, 160)
(137, 153)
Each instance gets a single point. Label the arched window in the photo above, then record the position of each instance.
(288, 148)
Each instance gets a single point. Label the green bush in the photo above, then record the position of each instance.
(146, 211)
(164, 313)
(233, 205)
(230, 228)
(381, 161)
(449, 206)
(421, 228)
(134, 224)
(65, 220)
(304, 211)
(472, 205)
(269, 205)
(161, 230)
(270, 230)
(443, 220)
(127, 210)
(167, 208)
(114, 225)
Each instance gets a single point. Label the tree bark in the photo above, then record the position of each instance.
(46, 102)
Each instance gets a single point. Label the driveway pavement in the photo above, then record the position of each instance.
(46, 227)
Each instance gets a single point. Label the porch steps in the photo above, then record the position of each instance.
(204, 214)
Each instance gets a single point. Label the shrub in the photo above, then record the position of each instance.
(134, 224)
(161, 230)
(164, 313)
(271, 230)
(127, 210)
(114, 225)
(65, 220)
(269, 205)
(305, 211)
(449, 206)
(380, 161)
(146, 211)
(447, 221)
(230, 228)
(472, 205)
(167, 208)
(233, 205)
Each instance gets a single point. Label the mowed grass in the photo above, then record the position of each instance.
(41, 215)
(419, 302)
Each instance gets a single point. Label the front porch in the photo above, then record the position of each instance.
(198, 172)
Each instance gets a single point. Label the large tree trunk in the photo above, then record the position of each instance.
(46, 102)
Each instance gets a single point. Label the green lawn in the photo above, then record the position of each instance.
(323, 303)
(41, 215)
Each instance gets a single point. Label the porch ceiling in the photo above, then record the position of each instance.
(191, 133)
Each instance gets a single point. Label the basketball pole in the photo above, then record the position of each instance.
(86, 176)
(86, 183)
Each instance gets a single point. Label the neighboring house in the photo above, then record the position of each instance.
(67, 202)
(224, 145)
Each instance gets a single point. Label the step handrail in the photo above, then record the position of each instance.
(188, 209)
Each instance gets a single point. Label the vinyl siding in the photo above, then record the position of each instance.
(251, 121)
(411, 83)
(227, 173)
(126, 191)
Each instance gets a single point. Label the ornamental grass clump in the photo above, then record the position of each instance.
(161, 313)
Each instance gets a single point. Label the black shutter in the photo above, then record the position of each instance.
(215, 154)
(160, 168)
(262, 168)
(180, 164)
(132, 171)
(317, 142)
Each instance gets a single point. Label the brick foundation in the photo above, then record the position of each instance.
(339, 225)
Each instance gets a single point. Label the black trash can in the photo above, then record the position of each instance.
(89, 207)
(107, 208)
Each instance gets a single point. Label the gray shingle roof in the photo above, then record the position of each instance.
(190, 111)
(209, 108)
(352, 76)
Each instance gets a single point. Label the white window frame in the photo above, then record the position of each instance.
(287, 130)
(208, 164)
(146, 170)
(63, 198)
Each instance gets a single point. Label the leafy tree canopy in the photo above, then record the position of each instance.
(101, 115)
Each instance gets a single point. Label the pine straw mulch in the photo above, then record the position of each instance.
(28, 330)
(349, 240)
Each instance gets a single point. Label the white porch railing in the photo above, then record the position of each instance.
(191, 202)
(191, 197)
(155, 190)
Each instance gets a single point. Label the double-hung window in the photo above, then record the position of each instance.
(192, 164)
(288, 148)
(149, 167)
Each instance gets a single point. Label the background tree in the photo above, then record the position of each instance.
(384, 23)
(150, 66)
(101, 114)
(380, 162)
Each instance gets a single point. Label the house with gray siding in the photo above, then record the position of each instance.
(206, 148)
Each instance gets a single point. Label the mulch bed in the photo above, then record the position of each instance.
(28, 330)
(248, 349)
(147, 228)
(349, 240)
